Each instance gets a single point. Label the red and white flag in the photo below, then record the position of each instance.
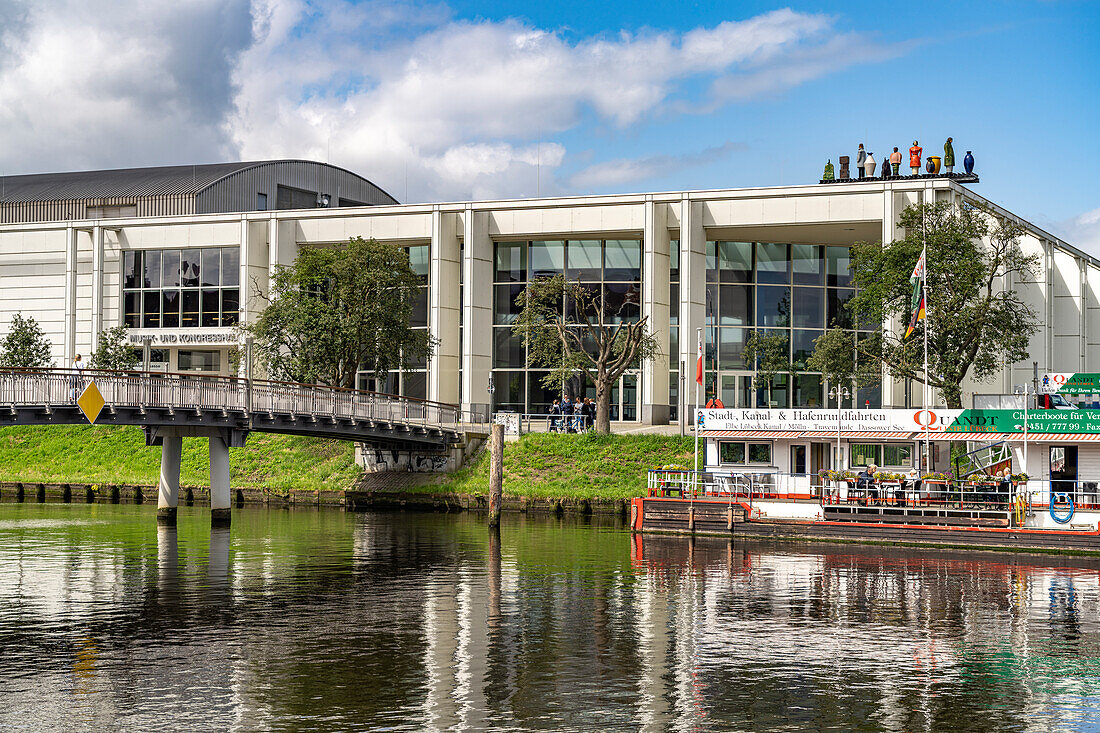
(699, 363)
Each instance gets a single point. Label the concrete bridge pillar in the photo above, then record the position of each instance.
(171, 451)
(219, 481)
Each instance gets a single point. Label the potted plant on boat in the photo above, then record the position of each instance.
(936, 484)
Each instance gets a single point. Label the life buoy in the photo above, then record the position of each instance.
(1057, 515)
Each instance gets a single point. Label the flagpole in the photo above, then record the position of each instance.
(698, 385)
(924, 296)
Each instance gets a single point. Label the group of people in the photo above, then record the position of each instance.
(572, 416)
(868, 488)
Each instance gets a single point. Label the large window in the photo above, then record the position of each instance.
(795, 290)
(181, 288)
(610, 268)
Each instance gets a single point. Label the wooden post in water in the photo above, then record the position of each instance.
(496, 472)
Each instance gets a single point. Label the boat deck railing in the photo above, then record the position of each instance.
(946, 493)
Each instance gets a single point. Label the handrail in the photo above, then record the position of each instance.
(56, 386)
(227, 378)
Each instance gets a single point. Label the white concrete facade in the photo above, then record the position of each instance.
(68, 274)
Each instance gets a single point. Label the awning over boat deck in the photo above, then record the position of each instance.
(1017, 437)
(768, 434)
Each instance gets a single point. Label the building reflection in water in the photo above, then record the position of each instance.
(430, 622)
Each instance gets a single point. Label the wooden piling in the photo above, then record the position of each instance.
(496, 473)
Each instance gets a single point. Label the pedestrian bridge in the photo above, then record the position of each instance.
(169, 407)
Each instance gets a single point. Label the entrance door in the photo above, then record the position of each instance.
(798, 460)
(1063, 469)
(729, 390)
(819, 457)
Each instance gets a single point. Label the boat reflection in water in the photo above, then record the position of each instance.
(418, 622)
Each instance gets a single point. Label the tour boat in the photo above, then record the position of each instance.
(794, 473)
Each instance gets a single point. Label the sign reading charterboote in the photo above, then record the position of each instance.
(91, 402)
(944, 423)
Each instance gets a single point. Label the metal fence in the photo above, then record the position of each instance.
(50, 388)
(947, 493)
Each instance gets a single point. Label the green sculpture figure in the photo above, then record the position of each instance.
(948, 156)
(828, 171)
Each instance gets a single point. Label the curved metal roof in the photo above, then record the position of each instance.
(172, 180)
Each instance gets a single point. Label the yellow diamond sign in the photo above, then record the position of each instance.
(91, 402)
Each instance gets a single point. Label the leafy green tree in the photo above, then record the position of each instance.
(339, 310)
(25, 346)
(114, 352)
(569, 330)
(976, 325)
(769, 353)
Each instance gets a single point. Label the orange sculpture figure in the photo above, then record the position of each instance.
(914, 157)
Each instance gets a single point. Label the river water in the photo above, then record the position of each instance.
(325, 620)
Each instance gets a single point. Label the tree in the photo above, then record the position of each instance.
(975, 324)
(768, 353)
(569, 329)
(25, 346)
(114, 352)
(337, 311)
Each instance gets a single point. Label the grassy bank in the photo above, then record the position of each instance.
(118, 455)
(574, 466)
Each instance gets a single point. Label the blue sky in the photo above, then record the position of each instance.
(455, 100)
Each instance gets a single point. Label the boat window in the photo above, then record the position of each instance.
(731, 452)
(897, 455)
(738, 452)
(888, 454)
(760, 453)
(864, 454)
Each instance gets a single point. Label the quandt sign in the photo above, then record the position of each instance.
(1070, 383)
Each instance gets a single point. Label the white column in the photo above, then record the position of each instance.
(444, 308)
(655, 307)
(168, 492)
(477, 309)
(70, 296)
(219, 481)
(893, 392)
(693, 292)
(97, 285)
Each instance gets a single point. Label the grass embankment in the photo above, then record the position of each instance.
(118, 455)
(548, 466)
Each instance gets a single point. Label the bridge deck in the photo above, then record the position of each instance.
(157, 400)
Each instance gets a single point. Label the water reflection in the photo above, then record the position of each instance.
(327, 620)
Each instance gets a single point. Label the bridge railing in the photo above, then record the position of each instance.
(52, 387)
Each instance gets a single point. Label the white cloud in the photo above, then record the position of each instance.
(405, 94)
(629, 170)
(1082, 231)
(117, 83)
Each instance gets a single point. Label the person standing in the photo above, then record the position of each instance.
(948, 156)
(589, 413)
(895, 162)
(567, 411)
(861, 158)
(555, 416)
(76, 379)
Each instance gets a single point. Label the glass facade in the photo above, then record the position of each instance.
(181, 288)
(610, 268)
(413, 381)
(792, 290)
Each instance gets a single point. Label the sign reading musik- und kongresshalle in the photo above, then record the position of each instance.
(162, 337)
(945, 422)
